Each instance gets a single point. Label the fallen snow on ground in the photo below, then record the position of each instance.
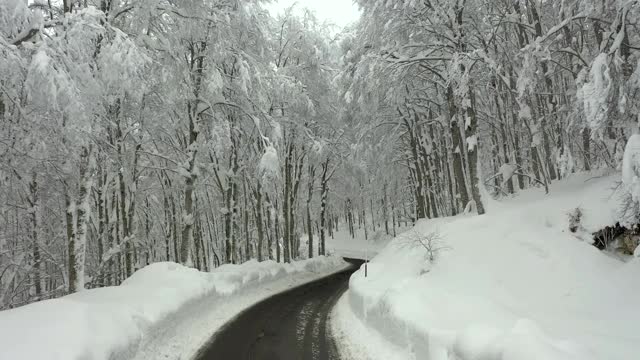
(356, 342)
(513, 284)
(164, 310)
(358, 246)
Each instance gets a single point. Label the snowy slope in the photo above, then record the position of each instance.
(117, 322)
(514, 284)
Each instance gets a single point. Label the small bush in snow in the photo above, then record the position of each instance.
(602, 238)
(629, 243)
(431, 242)
(575, 216)
(629, 210)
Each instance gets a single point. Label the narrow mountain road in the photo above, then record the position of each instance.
(289, 326)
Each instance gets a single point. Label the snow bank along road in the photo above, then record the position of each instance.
(163, 311)
(292, 325)
(513, 284)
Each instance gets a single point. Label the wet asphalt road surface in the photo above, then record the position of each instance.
(289, 326)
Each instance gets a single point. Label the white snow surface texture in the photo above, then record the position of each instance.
(108, 322)
(513, 284)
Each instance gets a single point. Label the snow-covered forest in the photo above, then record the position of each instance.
(208, 132)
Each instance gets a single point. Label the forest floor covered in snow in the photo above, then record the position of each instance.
(163, 311)
(513, 284)
(358, 246)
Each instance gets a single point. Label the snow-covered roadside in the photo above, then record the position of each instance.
(514, 284)
(356, 341)
(164, 311)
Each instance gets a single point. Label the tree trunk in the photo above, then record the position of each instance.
(324, 191)
(385, 201)
(71, 242)
(586, 148)
(311, 174)
(259, 221)
(189, 181)
(34, 213)
(458, 166)
(277, 231)
(83, 213)
(472, 156)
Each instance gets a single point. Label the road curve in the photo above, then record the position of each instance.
(288, 326)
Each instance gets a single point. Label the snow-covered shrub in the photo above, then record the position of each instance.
(629, 210)
(507, 171)
(630, 203)
(565, 161)
(595, 92)
(270, 163)
(575, 216)
(603, 238)
(431, 242)
(628, 243)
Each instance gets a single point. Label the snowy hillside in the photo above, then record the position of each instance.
(112, 322)
(511, 284)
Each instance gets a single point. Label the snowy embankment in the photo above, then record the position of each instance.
(514, 284)
(133, 320)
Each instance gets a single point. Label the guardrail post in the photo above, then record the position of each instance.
(366, 260)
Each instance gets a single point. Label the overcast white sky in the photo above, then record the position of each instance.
(339, 12)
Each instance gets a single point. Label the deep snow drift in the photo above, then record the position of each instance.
(112, 322)
(513, 284)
